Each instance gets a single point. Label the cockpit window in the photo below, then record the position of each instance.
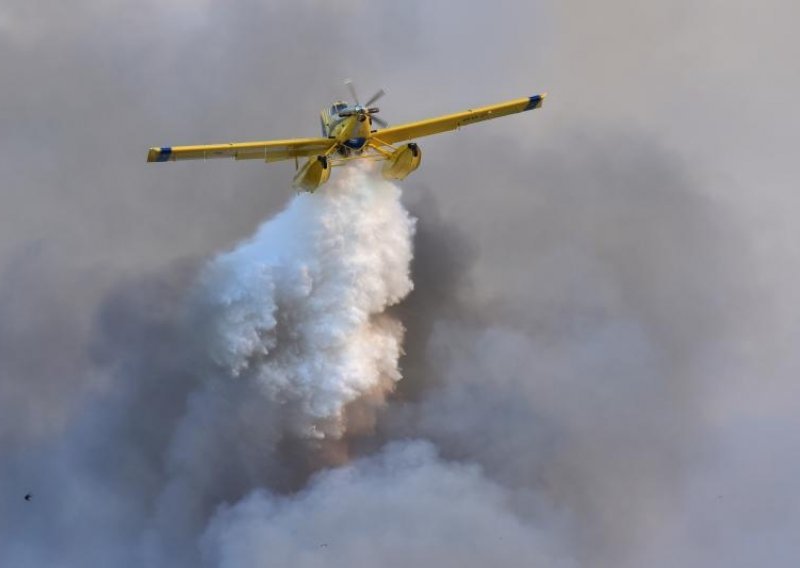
(338, 107)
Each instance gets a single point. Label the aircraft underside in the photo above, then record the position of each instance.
(398, 162)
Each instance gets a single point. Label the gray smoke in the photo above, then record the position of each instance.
(402, 506)
(239, 391)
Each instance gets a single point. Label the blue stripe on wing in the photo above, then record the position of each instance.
(164, 154)
(534, 102)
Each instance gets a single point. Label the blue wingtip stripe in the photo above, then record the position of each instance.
(534, 102)
(163, 154)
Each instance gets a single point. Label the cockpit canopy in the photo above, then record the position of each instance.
(338, 107)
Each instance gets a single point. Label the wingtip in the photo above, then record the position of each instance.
(159, 154)
(535, 101)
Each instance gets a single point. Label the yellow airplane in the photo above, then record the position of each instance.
(348, 134)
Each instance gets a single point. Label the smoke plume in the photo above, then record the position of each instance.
(293, 352)
(240, 420)
(299, 309)
(250, 371)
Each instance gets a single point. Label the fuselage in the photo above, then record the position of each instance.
(349, 125)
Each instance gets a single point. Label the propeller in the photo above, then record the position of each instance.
(366, 109)
(349, 84)
(375, 97)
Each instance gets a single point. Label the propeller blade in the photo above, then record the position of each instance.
(349, 84)
(379, 121)
(375, 97)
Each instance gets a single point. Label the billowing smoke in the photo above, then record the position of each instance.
(403, 507)
(293, 350)
(249, 410)
(241, 391)
(299, 309)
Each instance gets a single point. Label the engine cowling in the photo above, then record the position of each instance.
(313, 174)
(402, 162)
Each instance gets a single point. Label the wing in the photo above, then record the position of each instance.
(455, 121)
(269, 150)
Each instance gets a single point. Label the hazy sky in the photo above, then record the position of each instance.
(605, 318)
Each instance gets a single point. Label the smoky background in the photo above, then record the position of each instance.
(601, 341)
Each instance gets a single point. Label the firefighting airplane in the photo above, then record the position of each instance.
(348, 134)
